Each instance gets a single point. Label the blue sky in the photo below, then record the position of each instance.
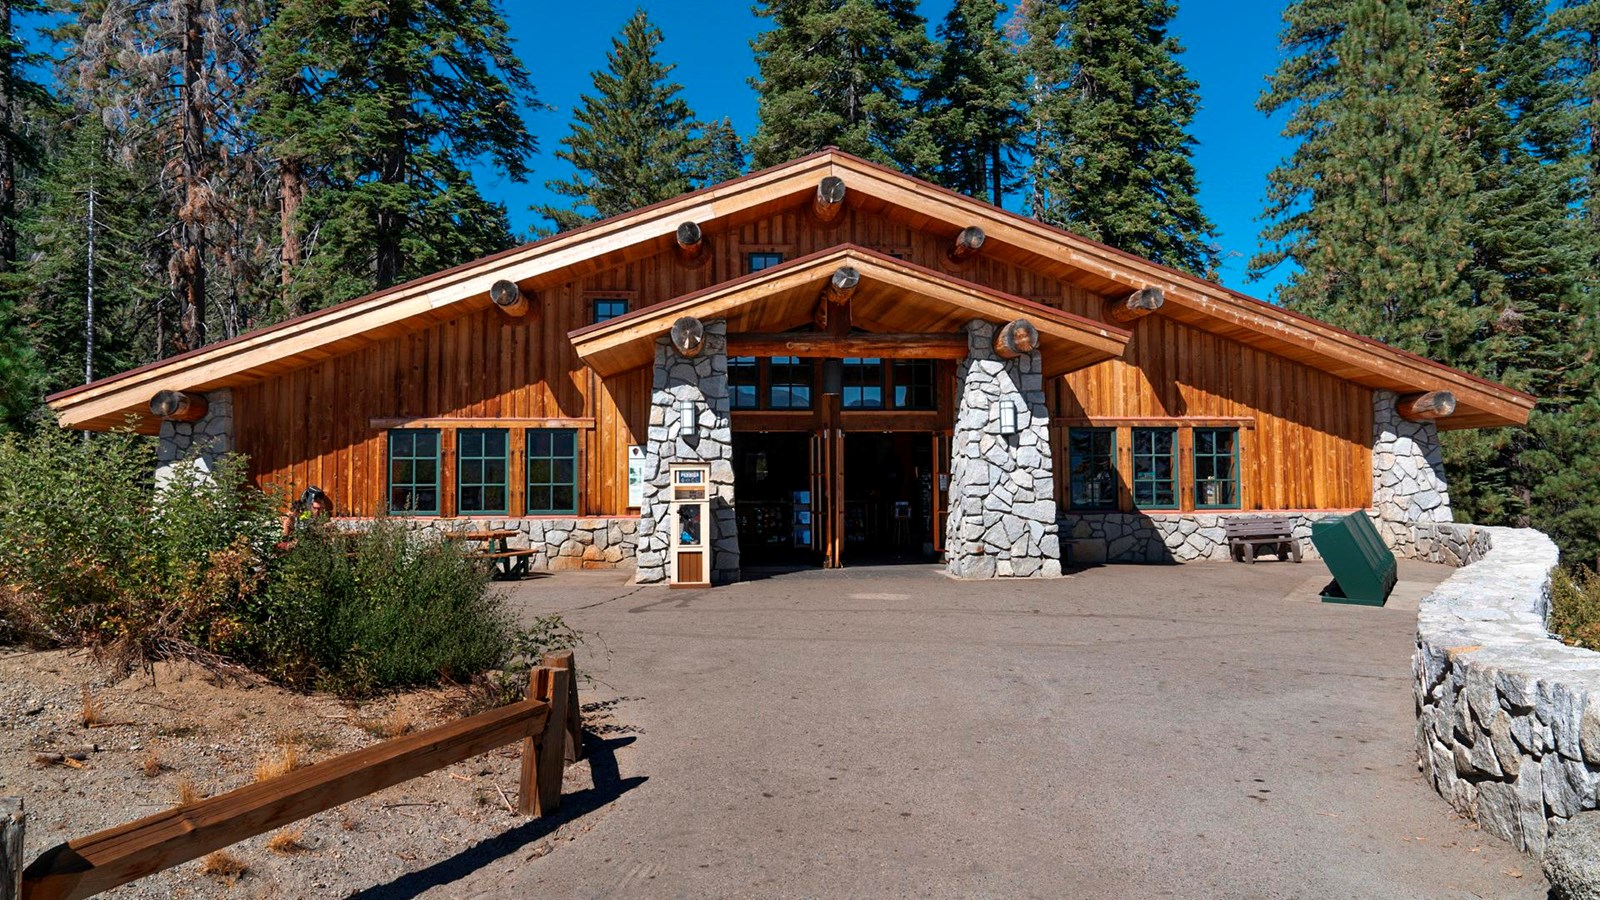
(1230, 47)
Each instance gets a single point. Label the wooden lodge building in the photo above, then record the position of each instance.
(868, 366)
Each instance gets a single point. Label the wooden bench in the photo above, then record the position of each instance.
(1275, 533)
(506, 563)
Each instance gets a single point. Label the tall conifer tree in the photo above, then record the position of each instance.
(633, 141)
(390, 102)
(843, 73)
(1111, 150)
(974, 103)
(1372, 204)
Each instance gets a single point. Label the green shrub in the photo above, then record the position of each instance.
(94, 555)
(1575, 606)
(358, 612)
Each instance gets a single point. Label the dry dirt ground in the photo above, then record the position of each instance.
(182, 729)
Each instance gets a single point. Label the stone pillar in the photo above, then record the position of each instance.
(1002, 490)
(703, 379)
(203, 441)
(1408, 484)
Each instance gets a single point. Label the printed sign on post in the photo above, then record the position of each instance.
(635, 475)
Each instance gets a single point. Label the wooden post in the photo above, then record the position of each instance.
(528, 778)
(178, 406)
(841, 285)
(967, 244)
(828, 204)
(1426, 407)
(1015, 339)
(510, 298)
(563, 659)
(13, 825)
(1136, 305)
(688, 337)
(693, 249)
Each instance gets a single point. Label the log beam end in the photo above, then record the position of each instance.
(1015, 339)
(1426, 406)
(688, 337)
(828, 204)
(178, 406)
(1137, 305)
(693, 248)
(509, 297)
(966, 245)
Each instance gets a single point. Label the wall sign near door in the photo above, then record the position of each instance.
(635, 475)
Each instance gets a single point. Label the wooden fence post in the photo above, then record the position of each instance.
(13, 824)
(563, 659)
(543, 755)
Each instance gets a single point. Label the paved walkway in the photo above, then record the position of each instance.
(1205, 730)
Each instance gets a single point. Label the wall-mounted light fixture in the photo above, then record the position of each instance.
(688, 418)
(1006, 413)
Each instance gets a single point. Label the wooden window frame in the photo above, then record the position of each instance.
(577, 472)
(771, 382)
(750, 259)
(1111, 462)
(912, 365)
(857, 364)
(438, 471)
(1233, 463)
(1174, 458)
(754, 365)
(462, 459)
(594, 308)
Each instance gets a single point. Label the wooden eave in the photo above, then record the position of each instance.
(305, 340)
(893, 296)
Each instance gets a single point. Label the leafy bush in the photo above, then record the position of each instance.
(93, 554)
(357, 612)
(1575, 606)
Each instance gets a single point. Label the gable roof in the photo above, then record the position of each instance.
(463, 289)
(893, 295)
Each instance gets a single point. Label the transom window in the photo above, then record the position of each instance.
(1092, 454)
(789, 383)
(913, 384)
(863, 383)
(607, 308)
(552, 471)
(1155, 469)
(414, 471)
(481, 467)
(755, 262)
(1216, 468)
(744, 382)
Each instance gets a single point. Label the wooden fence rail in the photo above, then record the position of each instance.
(547, 721)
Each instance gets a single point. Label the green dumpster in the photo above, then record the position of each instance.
(1363, 568)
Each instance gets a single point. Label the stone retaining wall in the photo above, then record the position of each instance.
(1508, 719)
(205, 441)
(1186, 537)
(582, 542)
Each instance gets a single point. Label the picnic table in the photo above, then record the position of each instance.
(494, 545)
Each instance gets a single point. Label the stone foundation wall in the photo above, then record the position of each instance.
(1002, 487)
(703, 379)
(1508, 719)
(205, 440)
(598, 542)
(1089, 538)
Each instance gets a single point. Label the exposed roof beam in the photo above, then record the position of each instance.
(1426, 406)
(1136, 305)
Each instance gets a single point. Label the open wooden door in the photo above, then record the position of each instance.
(821, 515)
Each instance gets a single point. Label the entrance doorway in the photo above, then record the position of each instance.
(835, 498)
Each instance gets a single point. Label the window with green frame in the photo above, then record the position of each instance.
(913, 384)
(481, 471)
(788, 383)
(414, 471)
(744, 382)
(1092, 467)
(1155, 468)
(863, 383)
(1216, 468)
(552, 471)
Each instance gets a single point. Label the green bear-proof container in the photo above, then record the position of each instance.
(1364, 570)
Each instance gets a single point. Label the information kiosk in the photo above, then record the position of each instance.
(690, 558)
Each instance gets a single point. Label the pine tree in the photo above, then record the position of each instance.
(842, 73)
(1111, 110)
(719, 153)
(382, 106)
(1372, 204)
(973, 98)
(632, 142)
(17, 94)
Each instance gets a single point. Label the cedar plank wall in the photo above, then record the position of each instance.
(1309, 448)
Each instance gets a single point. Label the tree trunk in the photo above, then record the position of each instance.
(188, 263)
(994, 173)
(291, 193)
(390, 222)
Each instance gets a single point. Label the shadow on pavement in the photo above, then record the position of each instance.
(608, 786)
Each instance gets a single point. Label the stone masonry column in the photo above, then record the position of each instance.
(205, 440)
(704, 380)
(1002, 490)
(1408, 484)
